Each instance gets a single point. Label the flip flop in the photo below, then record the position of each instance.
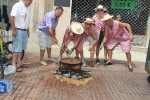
(24, 66)
(19, 70)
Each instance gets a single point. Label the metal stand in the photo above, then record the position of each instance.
(69, 67)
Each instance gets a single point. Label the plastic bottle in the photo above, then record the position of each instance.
(6, 86)
(9, 69)
(68, 52)
(100, 48)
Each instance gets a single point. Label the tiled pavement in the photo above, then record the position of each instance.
(114, 82)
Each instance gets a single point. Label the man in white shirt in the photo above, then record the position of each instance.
(19, 19)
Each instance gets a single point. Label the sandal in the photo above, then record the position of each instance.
(91, 63)
(108, 63)
(76, 57)
(105, 61)
(130, 68)
(19, 70)
(24, 66)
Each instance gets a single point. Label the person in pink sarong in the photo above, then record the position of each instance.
(73, 34)
(90, 36)
(99, 28)
(116, 32)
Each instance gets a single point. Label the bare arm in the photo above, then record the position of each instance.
(66, 38)
(54, 32)
(52, 35)
(95, 40)
(105, 36)
(12, 22)
(127, 26)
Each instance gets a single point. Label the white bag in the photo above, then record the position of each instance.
(9, 70)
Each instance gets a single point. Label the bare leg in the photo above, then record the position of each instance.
(110, 52)
(81, 54)
(97, 52)
(14, 59)
(92, 54)
(128, 55)
(82, 58)
(49, 52)
(105, 53)
(77, 53)
(21, 53)
(19, 63)
(42, 55)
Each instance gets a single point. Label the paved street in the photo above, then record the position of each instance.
(114, 82)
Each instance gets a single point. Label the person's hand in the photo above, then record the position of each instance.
(54, 33)
(91, 48)
(14, 33)
(71, 50)
(131, 38)
(102, 45)
(55, 41)
(66, 48)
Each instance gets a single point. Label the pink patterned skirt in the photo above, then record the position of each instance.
(126, 46)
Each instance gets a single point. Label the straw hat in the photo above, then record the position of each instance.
(77, 28)
(107, 17)
(99, 7)
(88, 20)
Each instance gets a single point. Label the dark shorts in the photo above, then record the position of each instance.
(101, 36)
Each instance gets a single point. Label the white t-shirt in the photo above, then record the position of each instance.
(21, 14)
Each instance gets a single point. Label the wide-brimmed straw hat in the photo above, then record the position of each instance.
(107, 17)
(88, 20)
(77, 28)
(99, 7)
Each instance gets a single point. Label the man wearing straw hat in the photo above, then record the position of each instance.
(73, 33)
(99, 28)
(46, 33)
(90, 36)
(117, 31)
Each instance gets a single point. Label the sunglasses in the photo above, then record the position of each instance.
(99, 10)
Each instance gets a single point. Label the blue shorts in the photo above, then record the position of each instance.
(20, 42)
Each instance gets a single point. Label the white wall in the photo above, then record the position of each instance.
(39, 7)
(64, 21)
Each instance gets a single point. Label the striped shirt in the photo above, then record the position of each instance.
(49, 20)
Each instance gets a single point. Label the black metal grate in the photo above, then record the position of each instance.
(137, 18)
